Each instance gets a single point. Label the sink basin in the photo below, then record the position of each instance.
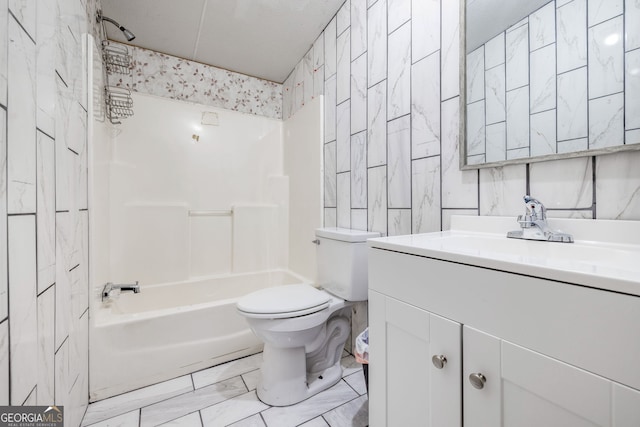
(612, 264)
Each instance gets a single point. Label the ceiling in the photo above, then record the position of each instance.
(261, 38)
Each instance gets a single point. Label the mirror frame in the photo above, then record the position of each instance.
(462, 138)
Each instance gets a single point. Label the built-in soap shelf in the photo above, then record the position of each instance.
(119, 78)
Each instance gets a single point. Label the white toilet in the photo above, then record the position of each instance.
(304, 329)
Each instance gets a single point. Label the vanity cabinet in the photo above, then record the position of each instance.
(520, 351)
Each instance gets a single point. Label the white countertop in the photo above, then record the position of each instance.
(605, 255)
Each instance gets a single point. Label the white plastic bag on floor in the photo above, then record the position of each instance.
(362, 347)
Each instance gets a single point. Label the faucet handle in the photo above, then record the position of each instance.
(535, 208)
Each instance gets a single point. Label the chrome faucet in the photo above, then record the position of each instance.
(533, 224)
(110, 288)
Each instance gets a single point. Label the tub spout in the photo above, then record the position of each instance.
(110, 288)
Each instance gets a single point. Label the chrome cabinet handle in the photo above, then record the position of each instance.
(477, 380)
(439, 361)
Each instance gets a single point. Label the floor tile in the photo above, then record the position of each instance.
(227, 370)
(191, 420)
(130, 419)
(232, 410)
(350, 366)
(251, 379)
(308, 409)
(356, 381)
(126, 402)
(316, 422)
(354, 414)
(253, 421)
(186, 403)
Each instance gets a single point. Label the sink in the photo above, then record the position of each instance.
(605, 254)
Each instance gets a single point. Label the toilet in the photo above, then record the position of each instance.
(304, 328)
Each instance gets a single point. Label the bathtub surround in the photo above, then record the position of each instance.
(44, 209)
(569, 187)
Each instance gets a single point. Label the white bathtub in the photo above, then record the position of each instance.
(172, 329)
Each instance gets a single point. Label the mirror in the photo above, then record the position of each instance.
(549, 79)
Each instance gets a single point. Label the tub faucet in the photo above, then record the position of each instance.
(109, 288)
(533, 224)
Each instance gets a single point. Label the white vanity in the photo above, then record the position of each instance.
(469, 328)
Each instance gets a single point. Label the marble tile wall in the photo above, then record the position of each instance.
(43, 204)
(400, 173)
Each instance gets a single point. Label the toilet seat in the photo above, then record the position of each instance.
(285, 301)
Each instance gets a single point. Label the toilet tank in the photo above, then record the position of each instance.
(342, 262)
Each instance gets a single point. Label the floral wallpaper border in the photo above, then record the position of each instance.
(168, 76)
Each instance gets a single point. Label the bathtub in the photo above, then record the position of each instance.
(172, 329)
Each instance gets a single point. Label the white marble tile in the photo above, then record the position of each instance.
(618, 186)
(543, 133)
(448, 213)
(130, 419)
(252, 378)
(475, 75)
(61, 362)
(64, 157)
(358, 28)
(318, 52)
(330, 217)
(475, 129)
(343, 18)
(425, 195)
(494, 51)
(518, 153)
(343, 77)
(47, 11)
(501, 190)
(632, 136)
(23, 308)
(330, 174)
(572, 145)
(359, 220)
(517, 58)
(186, 403)
(253, 421)
(232, 410)
(310, 408)
(578, 214)
(191, 420)
(606, 121)
(307, 71)
(398, 12)
(425, 28)
(356, 381)
(496, 94)
(227, 370)
(316, 422)
(4, 298)
(450, 50)
(359, 94)
(399, 73)
(354, 413)
(377, 125)
(543, 79)
(4, 363)
(377, 42)
(377, 199)
(3, 52)
(399, 166)
(330, 58)
(425, 107)
(21, 121)
(46, 211)
(542, 26)
(359, 170)
(350, 366)
(344, 199)
(63, 278)
(330, 108)
(318, 81)
(25, 13)
(343, 137)
(399, 223)
(631, 16)
(576, 177)
(459, 188)
(632, 90)
(108, 408)
(572, 104)
(562, 2)
(606, 58)
(477, 159)
(601, 10)
(571, 24)
(496, 135)
(46, 346)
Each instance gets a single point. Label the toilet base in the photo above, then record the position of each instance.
(284, 380)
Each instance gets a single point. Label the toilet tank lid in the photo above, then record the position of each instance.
(345, 234)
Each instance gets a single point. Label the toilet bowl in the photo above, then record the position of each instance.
(304, 328)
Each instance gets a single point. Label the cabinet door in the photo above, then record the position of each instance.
(405, 388)
(527, 389)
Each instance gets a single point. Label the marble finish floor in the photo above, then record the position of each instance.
(225, 395)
